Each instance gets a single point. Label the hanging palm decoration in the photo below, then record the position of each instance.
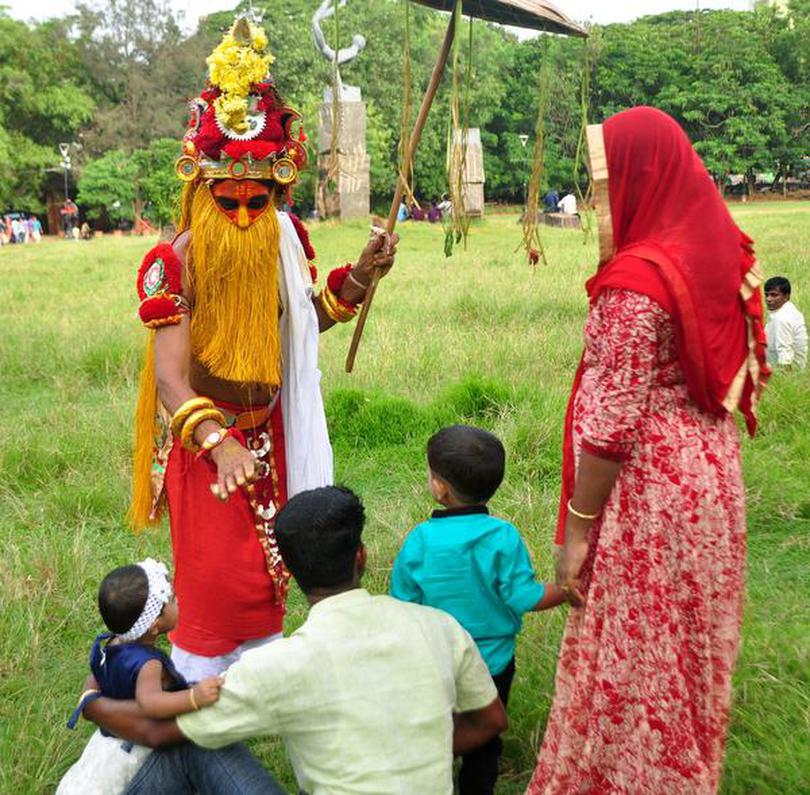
(534, 14)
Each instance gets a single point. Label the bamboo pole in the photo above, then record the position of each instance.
(418, 126)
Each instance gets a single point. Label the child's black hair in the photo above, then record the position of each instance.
(122, 596)
(471, 460)
(318, 535)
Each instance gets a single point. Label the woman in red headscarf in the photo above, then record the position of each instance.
(652, 515)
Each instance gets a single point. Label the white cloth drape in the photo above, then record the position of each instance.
(309, 454)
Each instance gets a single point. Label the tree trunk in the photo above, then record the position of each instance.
(751, 187)
(137, 212)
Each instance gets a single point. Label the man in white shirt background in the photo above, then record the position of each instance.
(568, 204)
(371, 695)
(786, 331)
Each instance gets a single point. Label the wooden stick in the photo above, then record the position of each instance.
(427, 101)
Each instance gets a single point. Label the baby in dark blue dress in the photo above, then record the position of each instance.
(138, 605)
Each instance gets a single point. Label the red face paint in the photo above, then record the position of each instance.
(242, 201)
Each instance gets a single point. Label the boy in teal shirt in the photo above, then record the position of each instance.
(473, 566)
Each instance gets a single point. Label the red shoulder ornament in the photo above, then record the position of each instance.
(160, 287)
(303, 236)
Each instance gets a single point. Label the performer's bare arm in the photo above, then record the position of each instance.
(378, 253)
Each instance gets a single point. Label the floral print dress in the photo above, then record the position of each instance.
(644, 673)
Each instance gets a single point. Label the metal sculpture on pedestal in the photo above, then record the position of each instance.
(343, 162)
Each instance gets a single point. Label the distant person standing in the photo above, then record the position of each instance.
(36, 229)
(786, 330)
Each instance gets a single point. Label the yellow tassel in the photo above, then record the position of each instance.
(140, 509)
(186, 199)
(234, 321)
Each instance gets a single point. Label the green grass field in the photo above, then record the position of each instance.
(478, 338)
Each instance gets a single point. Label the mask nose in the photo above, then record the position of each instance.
(242, 217)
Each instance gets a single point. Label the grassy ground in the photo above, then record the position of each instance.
(476, 337)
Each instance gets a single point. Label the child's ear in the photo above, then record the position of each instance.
(438, 487)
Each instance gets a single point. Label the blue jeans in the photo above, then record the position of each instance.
(187, 769)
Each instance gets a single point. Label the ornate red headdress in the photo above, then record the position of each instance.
(239, 128)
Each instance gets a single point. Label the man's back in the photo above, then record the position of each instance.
(362, 693)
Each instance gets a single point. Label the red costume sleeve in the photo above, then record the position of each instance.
(160, 287)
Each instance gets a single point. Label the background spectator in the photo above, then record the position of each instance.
(786, 330)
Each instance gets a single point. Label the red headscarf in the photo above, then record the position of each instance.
(667, 233)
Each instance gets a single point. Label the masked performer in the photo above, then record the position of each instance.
(230, 420)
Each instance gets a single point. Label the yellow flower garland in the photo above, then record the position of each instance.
(233, 67)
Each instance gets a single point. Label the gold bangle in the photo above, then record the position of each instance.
(588, 517)
(339, 313)
(192, 699)
(327, 307)
(334, 309)
(186, 410)
(190, 425)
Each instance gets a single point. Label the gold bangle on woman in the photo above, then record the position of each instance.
(588, 517)
(186, 410)
(190, 425)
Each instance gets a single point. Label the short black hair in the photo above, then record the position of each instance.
(122, 596)
(779, 283)
(471, 460)
(318, 535)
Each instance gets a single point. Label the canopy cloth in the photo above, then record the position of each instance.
(536, 14)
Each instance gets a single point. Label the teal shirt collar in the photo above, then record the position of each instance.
(462, 510)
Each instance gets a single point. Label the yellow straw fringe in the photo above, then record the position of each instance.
(234, 323)
(234, 328)
(141, 506)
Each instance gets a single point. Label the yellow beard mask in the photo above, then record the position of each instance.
(234, 277)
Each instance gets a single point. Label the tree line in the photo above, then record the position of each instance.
(111, 79)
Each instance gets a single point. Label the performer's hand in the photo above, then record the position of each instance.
(379, 254)
(206, 691)
(236, 467)
(572, 556)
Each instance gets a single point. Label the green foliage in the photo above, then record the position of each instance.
(108, 185)
(43, 100)
(157, 180)
(721, 74)
(124, 186)
(114, 76)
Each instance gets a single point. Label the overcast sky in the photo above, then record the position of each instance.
(584, 10)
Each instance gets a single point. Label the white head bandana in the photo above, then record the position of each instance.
(159, 593)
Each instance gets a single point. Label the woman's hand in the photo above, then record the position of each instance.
(236, 467)
(572, 556)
